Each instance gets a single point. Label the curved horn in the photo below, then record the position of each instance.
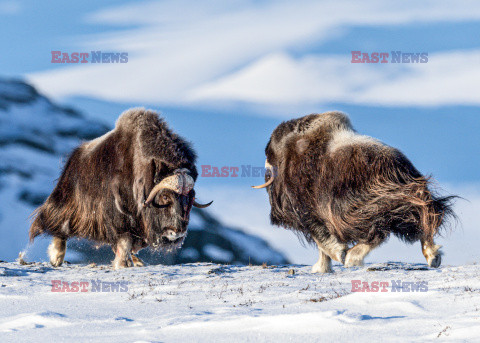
(268, 166)
(196, 204)
(180, 183)
(266, 184)
(153, 193)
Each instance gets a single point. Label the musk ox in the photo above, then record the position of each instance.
(339, 188)
(130, 188)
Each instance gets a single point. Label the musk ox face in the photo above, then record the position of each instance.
(169, 214)
(167, 209)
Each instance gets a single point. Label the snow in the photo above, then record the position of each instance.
(209, 303)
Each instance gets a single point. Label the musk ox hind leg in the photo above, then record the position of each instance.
(56, 251)
(324, 263)
(357, 253)
(122, 249)
(328, 249)
(432, 253)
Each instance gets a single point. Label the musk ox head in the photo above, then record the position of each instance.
(168, 207)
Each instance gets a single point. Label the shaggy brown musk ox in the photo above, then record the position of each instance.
(130, 188)
(339, 188)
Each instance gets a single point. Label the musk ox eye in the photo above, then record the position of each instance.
(268, 175)
(162, 201)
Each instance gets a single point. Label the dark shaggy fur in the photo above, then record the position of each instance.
(101, 191)
(359, 189)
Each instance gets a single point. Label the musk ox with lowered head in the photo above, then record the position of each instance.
(340, 188)
(130, 188)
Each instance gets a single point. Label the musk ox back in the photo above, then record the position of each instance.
(130, 188)
(340, 188)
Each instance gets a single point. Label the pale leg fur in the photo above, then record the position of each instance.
(328, 250)
(432, 253)
(324, 264)
(137, 261)
(56, 251)
(123, 257)
(357, 253)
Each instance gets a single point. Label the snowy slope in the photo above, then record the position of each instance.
(36, 135)
(218, 303)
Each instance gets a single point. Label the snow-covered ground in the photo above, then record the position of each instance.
(221, 303)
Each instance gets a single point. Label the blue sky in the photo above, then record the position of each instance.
(296, 55)
(224, 74)
(31, 29)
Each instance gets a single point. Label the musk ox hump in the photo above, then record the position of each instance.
(156, 141)
(307, 126)
(90, 146)
(342, 138)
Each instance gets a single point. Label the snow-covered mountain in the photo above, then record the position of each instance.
(36, 136)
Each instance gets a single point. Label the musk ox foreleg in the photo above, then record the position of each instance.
(123, 256)
(137, 261)
(432, 253)
(56, 251)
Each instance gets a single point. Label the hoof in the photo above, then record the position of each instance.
(321, 268)
(433, 255)
(435, 262)
(137, 262)
(353, 260)
(122, 264)
(56, 262)
(56, 252)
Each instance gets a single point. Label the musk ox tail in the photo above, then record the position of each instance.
(36, 229)
(411, 211)
(47, 219)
